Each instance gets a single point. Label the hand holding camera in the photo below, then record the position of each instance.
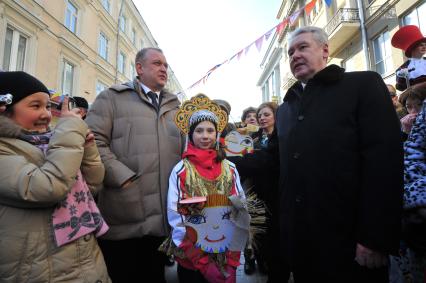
(67, 110)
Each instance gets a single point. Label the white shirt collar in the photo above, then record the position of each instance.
(147, 89)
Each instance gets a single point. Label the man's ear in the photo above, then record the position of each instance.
(325, 51)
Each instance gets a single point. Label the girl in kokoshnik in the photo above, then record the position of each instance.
(206, 203)
(48, 218)
(410, 39)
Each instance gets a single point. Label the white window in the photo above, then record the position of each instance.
(121, 62)
(100, 86)
(382, 53)
(71, 17)
(415, 18)
(133, 35)
(107, 5)
(142, 44)
(349, 64)
(123, 21)
(103, 46)
(68, 78)
(132, 71)
(14, 50)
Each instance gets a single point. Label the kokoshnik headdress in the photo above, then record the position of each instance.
(200, 108)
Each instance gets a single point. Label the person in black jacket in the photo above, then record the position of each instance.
(341, 168)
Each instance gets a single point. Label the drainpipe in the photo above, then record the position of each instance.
(363, 33)
(118, 38)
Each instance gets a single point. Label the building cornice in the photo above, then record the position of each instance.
(18, 7)
(70, 46)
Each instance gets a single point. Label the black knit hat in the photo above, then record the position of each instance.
(20, 85)
(81, 102)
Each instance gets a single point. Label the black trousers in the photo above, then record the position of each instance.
(134, 260)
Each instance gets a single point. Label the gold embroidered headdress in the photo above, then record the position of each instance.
(200, 108)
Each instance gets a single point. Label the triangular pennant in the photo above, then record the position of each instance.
(259, 43)
(246, 50)
(282, 25)
(268, 34)
(294, 16)
(239, 54)
(310, 6)
(328, 2)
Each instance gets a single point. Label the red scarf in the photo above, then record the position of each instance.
(204, 161)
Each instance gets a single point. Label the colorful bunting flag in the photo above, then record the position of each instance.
(259, 43)
(292, 20)
(294, 16)
(328, 2)
(310, 6)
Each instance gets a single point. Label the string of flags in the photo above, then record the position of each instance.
(289, 20)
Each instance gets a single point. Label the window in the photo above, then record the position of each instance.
(123, 23)
(14, 50)
(414, 18)
(133, 36)
(382, 53)
(132, 71)
(107, 5)
(121, 62)
(142, 44)
(103, 46)
(100, 86)
(349, 64)
(71, 17)
(67, 78)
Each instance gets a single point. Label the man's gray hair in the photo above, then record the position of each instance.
(318, 34)
(140, 56)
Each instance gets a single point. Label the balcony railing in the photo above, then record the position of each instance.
(343, 15)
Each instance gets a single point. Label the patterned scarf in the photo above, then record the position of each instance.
(77, 215)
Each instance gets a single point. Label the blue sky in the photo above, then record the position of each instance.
(196, 35)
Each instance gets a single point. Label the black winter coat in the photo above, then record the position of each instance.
(341, 171)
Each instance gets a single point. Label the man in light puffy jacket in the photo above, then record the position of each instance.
(139, 145)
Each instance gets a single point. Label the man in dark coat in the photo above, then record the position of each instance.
(341, 169)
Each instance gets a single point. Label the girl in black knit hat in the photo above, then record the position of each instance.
(47, 213)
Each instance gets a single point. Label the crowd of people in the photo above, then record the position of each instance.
(116, 190)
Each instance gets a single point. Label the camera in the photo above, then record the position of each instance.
(71, 104)
(6, 98)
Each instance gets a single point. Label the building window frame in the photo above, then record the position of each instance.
(15, 50)
(133, 36)
(107, 5)
(71, 16)
(103, 46)
(121, 62)
(100, 86)
(412, 17)
(382, 50)
(68, 77)
(122, 23)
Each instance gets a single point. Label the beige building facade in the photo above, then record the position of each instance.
(359, 33)
(76, 47)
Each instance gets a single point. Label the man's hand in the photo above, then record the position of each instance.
(369, 258)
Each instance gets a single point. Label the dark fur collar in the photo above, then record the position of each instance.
(328, 75)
